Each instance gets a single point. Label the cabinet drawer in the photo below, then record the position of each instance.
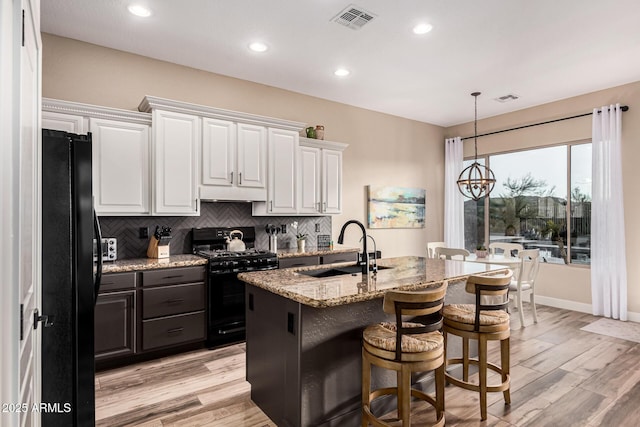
(168, 300)
(118, 281)
(170, 276)
(339, 257)
(299, 261)
(172, 330)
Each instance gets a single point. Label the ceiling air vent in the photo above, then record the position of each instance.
(353, 17)
(507, 98)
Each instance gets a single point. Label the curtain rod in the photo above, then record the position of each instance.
(623, 108)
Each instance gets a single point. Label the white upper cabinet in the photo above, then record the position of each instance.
(234, 160)
(71, 123)
(120, 152)
(331, 182)
(252, 156)
(232, 154)
(320, 177)
(218, 152)
(176, 139)
(309, 172)
(120, 167)
(282, 181)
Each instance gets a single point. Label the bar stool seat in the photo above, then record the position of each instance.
(483, 322)
(405, 347)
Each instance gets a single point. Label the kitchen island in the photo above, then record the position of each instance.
(304, 333)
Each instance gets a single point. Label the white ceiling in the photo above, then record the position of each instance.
(542, 50)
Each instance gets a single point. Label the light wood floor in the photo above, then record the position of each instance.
(561, 376)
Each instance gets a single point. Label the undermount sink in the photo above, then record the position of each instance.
(337, 271)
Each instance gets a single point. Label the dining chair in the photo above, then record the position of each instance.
(506, 248)
(449, 253)
(525, 282)
(431, 246)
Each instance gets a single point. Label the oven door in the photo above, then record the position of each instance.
(226, 318)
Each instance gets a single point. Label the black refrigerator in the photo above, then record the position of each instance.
(70, 280)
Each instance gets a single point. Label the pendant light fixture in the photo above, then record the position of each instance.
(476, 181)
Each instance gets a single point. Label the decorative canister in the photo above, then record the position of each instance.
(311, 132)
(320, 132)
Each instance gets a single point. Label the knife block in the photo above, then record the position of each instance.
(157, 251)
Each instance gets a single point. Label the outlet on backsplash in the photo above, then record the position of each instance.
(143, 232)
(317, 227)
(283, 228)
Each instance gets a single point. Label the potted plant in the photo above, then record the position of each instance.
(481, 251)
(300, 237)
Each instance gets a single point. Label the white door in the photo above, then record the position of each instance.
(28, 223)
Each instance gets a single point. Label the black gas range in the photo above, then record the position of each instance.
(226, 316)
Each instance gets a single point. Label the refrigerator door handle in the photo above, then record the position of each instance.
(98, 233)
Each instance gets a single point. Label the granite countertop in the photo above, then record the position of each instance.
(314, 251)
(134, 264)
(405, 273)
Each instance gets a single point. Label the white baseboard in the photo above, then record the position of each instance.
(577, 306)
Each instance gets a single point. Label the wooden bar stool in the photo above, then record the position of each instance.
(406, 347)
(486, 320)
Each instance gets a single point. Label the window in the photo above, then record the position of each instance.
(542, 199)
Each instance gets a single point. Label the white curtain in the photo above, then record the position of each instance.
(608, 261)
(453, 199)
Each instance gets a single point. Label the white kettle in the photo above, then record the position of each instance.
(235, 244)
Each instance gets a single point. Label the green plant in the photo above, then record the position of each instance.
(301, 236)
(481, 248)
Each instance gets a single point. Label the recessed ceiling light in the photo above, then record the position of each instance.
(422, 28)
(139, 10)
(258, 47)
(341, 72)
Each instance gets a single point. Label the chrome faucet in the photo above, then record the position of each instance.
(364, 261)
(374, 267)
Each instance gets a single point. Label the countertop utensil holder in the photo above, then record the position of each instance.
(157, 249)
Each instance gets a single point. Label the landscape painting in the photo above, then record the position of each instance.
(396, 207)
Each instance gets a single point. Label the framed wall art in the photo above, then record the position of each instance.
(395, 207)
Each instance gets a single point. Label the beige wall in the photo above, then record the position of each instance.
(383, 149)
(573, 283)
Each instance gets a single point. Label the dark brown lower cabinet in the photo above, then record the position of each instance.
(115, 326)
(145, 314)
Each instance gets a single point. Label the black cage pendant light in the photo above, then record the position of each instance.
(476, 181)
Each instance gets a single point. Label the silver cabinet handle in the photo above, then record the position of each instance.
(319, 208)
(324, 206)
(232, 177)
(240, 178)
(271, 206)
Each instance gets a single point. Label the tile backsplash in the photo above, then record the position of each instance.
(217, 214)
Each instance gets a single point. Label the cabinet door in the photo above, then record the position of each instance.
(65, 122)
(120, 167)
(331, 181)
(252, 148)
(218, 152)
(115, 324)
(175, 144)
(309, 181)
(281, 191)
